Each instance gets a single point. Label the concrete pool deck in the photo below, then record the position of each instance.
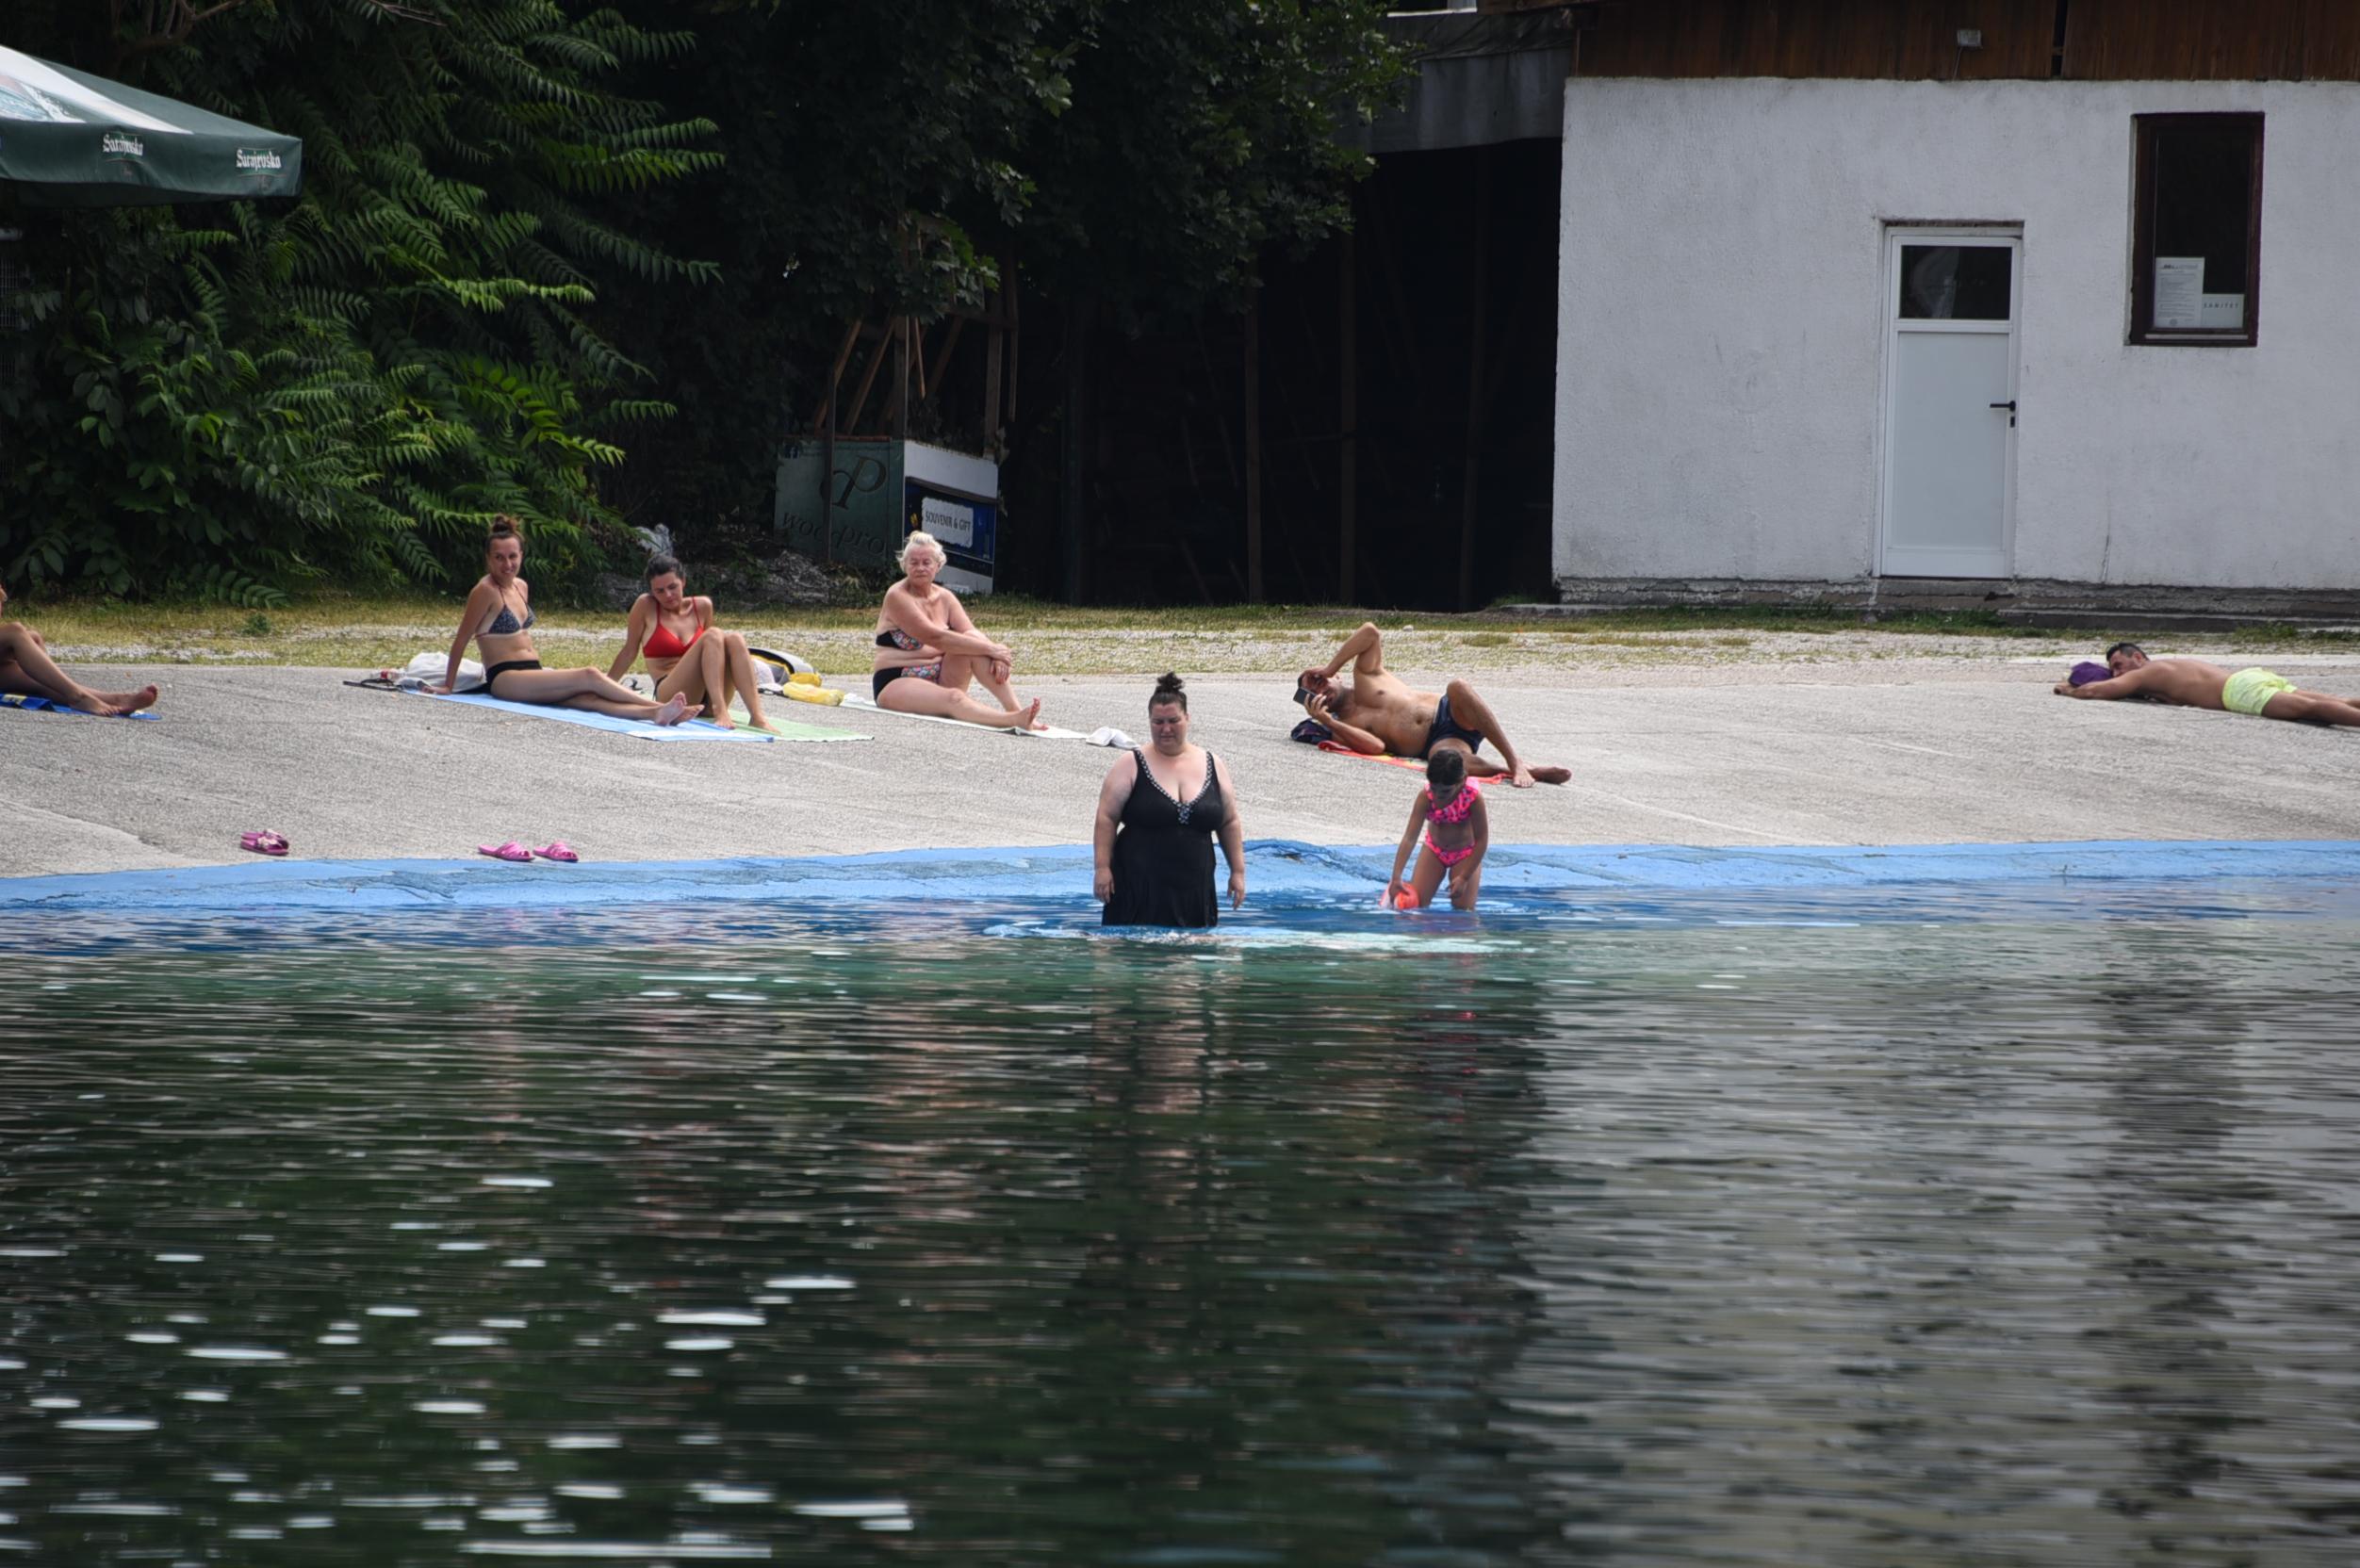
(1901, 751)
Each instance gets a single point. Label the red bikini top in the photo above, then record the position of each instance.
(662, 642)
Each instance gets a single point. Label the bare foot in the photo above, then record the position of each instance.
(131, 702)
(1552, 775)
(1032, 715)
(1520, 777)
(722, 716)
(676, 710)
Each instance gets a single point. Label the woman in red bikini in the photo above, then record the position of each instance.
(1458, 831)
(499, 621)
(686, 654)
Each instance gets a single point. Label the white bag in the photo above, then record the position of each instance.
(427, 670)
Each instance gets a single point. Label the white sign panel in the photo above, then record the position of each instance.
(2220, 310)
(2179, 292)
(952, 522)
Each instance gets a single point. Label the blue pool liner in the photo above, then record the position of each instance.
(1281, 872)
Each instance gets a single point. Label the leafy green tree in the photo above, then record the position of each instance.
(890, 157)
(228, 399)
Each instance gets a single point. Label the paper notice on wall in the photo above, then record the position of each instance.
(2221, 310)
(2179, 292)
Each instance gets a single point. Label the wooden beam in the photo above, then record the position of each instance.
(868, 378)
(828, 476)
(1254, 450)
(1469, 485)
(1015, 338)
(897, 338)
(994, 344)
(1347, 417)
(1073, 502)
(942, 358)
(836, 372)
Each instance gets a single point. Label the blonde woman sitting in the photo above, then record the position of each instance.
(686, 654)
(928, 651)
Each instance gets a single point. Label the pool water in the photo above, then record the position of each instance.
(1947, 1234)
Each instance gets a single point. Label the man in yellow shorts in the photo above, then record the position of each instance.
(2194, 683)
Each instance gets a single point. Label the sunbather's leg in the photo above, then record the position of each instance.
(925, 696)
(1468, 709)
(959, 668)
(26, 670)
(2311, 707)
(591, 692)
(740, 677)
(712, 658)
(687, 680)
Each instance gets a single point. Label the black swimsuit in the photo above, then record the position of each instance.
(1163, 853)
(1445, 727)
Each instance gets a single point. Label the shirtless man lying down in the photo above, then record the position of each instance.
(1377, 715)
(2194, 683)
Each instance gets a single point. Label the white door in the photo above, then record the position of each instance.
(1950, 402)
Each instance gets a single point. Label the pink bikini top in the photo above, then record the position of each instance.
(1461, 804)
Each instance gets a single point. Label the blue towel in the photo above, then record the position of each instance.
(43, 705)
(694, 729)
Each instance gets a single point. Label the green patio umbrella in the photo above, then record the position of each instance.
(70, 139)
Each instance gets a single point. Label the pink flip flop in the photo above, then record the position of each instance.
(558, 851)
(509, 851)
(266, 841)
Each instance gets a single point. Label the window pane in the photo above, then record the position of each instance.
(2200, 190)
(2203, 199)
(1953, 283)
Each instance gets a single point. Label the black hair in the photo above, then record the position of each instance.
(659, 565)
(1446, 767)
(1167, 692)
(2124, 647)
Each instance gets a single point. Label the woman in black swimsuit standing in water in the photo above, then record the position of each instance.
(498, 620)
(1158, 812)
(928, 651)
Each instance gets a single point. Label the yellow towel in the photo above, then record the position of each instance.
(801, 692)
(803, 677)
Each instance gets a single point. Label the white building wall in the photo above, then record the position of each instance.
(1721, 331)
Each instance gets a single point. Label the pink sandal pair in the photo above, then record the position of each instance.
(263, 842)
(556, 850)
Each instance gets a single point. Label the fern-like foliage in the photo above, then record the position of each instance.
(228, 400)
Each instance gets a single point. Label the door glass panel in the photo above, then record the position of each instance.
(1953, 283)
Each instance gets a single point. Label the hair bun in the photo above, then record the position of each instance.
(1168, 684)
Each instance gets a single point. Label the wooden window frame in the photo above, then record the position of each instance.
(2144, 128)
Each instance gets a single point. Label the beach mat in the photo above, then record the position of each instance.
(693, 729)
(788, 729)
(43, 705)
(868, 705)
(1342, 750)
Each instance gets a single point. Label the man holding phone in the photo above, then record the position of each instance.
(1377, 715)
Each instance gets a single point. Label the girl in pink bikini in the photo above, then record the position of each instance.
(1451, 809)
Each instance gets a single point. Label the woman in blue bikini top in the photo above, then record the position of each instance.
(499, 621)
